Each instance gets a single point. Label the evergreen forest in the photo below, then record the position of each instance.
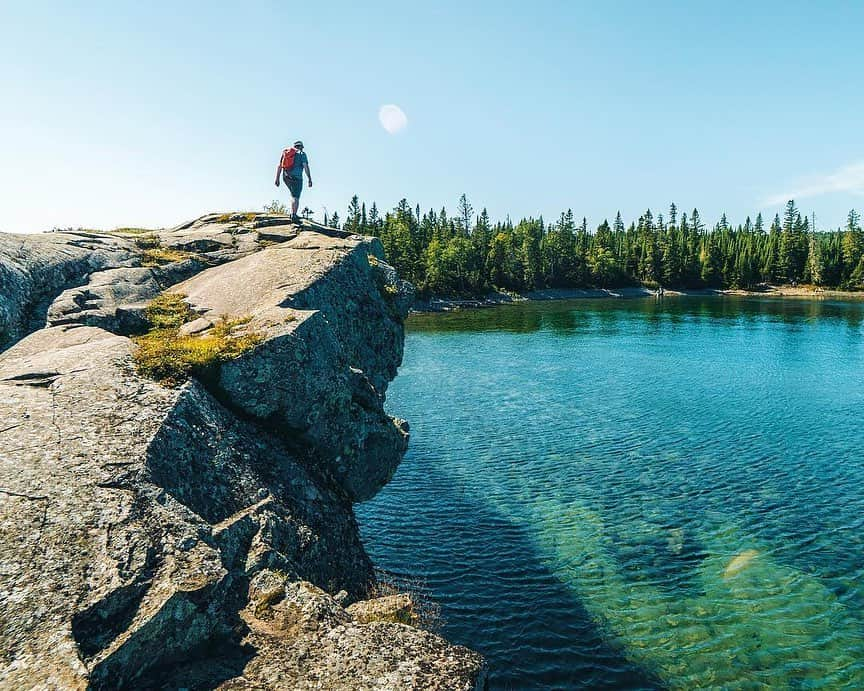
(469, 254)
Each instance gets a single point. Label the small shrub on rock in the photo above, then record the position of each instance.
(153, 254)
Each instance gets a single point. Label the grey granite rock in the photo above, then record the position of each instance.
(115, 299)
(332, 341)
(133, 515)
(56, 277)
(306, 640)
(35, 268)
(203, 536)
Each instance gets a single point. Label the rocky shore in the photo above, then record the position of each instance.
(202, 535)
(443, 304)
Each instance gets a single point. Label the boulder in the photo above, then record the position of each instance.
(396, 608)
(331, 341)
(306, 640)
(133, 516)
(235, 232)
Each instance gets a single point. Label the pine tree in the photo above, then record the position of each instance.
(466, 215)
(814, 260)
(374, 220)
(696, 222)
(758, 227)
(710, 259)
(852, 245)
(601, 261)
(352, 223)
(789, 259)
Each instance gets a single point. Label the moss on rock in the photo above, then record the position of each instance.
(169, 357)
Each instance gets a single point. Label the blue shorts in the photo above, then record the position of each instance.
(294, 185)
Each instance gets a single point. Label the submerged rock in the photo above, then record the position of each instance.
(739, 562)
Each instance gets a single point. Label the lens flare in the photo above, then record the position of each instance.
(392, 118)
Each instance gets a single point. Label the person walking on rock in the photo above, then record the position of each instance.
(291, 167)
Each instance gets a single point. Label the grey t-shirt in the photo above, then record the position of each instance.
(300, 161)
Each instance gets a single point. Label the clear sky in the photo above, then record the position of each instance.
(119, 113)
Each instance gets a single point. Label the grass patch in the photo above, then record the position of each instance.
(276, 207)
(237, 217)
(130, 231)
(160, 256)
(148, 242)
(153, 254)
(169, 357)
(168, 311)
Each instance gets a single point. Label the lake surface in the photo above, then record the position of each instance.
(637, 494)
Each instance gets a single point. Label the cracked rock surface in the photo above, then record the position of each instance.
(203, 536)
(35, 268)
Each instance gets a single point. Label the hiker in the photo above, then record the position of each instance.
(291, 166)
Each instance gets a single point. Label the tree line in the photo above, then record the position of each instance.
(468, 254)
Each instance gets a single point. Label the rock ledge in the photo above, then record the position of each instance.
(203, 536)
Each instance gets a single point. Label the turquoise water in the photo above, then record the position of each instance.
(637, 494)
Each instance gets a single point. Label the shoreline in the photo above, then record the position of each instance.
(497, 298)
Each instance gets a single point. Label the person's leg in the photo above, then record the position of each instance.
(296, 188)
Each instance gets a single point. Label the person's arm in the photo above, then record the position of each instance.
(278, 170)
(308, 174)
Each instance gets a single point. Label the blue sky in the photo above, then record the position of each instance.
(117, 113)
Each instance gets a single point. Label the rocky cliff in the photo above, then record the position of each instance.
(201, 535)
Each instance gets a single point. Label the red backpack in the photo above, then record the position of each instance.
(287, 162)
(288, 158)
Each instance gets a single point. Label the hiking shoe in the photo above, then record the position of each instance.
(295, 218)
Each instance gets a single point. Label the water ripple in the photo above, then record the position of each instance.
(637, 494)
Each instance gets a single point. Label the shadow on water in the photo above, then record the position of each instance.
(608, 493)
(668, 558)
(496, 594)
